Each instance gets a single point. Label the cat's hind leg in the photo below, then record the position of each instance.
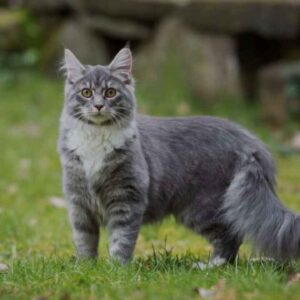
(225, 250)
(203, 216)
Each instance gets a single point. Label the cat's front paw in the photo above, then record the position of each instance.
(119, 256)
(215, 262)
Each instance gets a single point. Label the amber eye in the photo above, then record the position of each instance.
(87, 93)
(110, 93)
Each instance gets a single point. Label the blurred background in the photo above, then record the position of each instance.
(202, 52)
(235, 59)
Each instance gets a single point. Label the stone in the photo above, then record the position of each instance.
(158, 69)
(46, 6)
(11, 18)
(295, 142)
(11, 29)
(203, 66)
(279, 92)
(4, 3)
(116, 27)
(145, 10)
(211, 63)
(58, 202)
(3, 267)
(88, 47)
(276, 19)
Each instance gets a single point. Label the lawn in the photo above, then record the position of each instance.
(35, 237)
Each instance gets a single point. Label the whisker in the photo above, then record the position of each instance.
(121, 115)
(115, 119)
(118, 117)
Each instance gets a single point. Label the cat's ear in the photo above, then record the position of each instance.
(74, 68)
(122, 62)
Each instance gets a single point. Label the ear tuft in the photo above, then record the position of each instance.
(74, 68)
(122, 62)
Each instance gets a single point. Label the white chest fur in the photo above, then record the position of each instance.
(93, 144)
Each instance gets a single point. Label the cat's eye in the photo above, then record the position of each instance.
(110, 93)
(86, 93)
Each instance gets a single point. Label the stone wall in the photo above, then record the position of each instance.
(219, 46)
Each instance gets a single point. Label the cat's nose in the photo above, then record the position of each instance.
(98, 106)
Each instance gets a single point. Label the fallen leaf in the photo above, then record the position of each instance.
(251, 295)
(32, 222)
(262, 259)
(40, 298)
(12, 189)
(65, 296)
(25, 163)
(3, 267)
(205, 293)
(228, 294)
(217, 292)
(29, 129)
(24, 166)
(138, 295)
(46, 296)
(293, 279)
(57, 202)
(183, 108)
(214, 291)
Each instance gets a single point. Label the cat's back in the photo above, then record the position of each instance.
(211, 137)
(205, 128)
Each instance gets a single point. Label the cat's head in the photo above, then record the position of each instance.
(100, 95)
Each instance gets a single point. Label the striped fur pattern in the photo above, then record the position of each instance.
(121, 169)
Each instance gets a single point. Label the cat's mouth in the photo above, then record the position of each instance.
(97, 116)
(96, 113)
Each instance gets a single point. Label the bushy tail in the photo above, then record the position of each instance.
(253, 210)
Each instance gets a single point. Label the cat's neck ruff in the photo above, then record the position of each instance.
(93, 143)
(98, 131)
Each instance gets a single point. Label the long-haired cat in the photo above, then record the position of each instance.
(122, 169)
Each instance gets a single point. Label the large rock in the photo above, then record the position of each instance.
(117, 28)
(12, 29)
(279, 91)
(45, 6)
(90, 49)
(203, 66)
(211, 63)
(295, 142)
(277, 18)
(145, 10)
(4, 3)
(267, 18)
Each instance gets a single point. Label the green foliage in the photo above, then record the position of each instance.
(35, 237)
(20, 43)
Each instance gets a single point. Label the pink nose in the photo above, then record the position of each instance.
(98, 106)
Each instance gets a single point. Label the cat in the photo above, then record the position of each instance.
(122, 169)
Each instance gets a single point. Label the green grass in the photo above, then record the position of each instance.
(35, 238)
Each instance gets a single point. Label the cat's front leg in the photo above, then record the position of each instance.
(124, 221)
(85, 231)
(85, 226)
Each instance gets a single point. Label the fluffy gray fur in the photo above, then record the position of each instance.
(123, 169)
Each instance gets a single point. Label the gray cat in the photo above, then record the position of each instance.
(122, 169)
